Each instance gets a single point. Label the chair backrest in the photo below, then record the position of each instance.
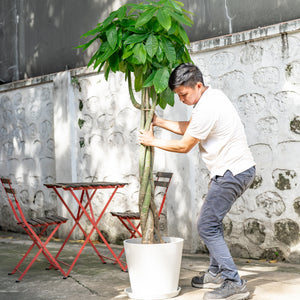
(13, 201)
(163, 179)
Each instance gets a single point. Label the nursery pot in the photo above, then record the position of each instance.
(153, 268)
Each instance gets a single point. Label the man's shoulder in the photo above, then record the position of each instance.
(214, 92)
(214, 97)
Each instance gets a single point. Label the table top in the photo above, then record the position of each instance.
(86, 185)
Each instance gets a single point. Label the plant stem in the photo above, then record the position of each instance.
(147, 207)
(134, 102)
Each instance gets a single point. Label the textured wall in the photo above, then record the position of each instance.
(27, 149)
(76, 126)
(262, 80)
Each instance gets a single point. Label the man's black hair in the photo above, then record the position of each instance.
(186, 74)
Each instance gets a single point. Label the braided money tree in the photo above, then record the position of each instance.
(148, 40)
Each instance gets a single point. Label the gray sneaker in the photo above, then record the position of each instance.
(229, 291)
(207, 281)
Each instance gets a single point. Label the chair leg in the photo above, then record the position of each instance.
(134, 230)
(42, 249)
(21, 261)
(28, 251)
(68, 237)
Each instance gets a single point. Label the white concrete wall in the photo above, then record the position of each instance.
(259, 71)
(42, 142)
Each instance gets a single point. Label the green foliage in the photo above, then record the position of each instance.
(76, 83)
(147, 39)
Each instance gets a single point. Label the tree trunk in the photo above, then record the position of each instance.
(147, 207)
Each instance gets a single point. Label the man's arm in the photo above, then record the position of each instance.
(178, 127)
(183, 145)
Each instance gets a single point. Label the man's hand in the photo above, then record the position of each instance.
(146, 138)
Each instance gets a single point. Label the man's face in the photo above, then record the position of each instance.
(189, 95)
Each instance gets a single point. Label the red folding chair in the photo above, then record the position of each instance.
(29, 225)
(127, 218)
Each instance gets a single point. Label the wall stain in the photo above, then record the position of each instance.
(295, 125)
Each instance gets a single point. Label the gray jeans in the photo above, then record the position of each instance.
(222, 193)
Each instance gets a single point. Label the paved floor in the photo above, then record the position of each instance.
(90, 279)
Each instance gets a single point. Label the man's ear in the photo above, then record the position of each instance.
(199, 84)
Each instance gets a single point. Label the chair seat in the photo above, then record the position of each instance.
(126, 215)
(130, 219)
(43, 221)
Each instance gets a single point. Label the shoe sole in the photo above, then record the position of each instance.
(207, 285)
(243, 296)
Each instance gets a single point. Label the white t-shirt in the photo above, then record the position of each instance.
(223, 143)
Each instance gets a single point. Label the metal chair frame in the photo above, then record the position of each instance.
(126, 218)
(28, 226)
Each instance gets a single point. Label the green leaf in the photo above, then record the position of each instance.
(114, 62)
(168, 96)
(135, 38)
(145, 17)
(86, 45)
(123, 67)
(105, 53)
(138, 81)
(132, 61)
(160, 53)
(169, 50)
(151, 45)
(106, 71)
(161, 102)
(137, 30)
(122, 12)
(119, 37)
(149, 80)
(139, 6)
(104, 47)
(188, 12)
(108, 20)
(179, 18)
(177, 5)
(173, 29)
(180, 53)
(92, 32)
(183, 35)
(93, 57)
(161, 80)
(100, 67)
(127, 23)
(164, 19)
(189, 19)
(140, 52)
(127, 52)
(112, 36)
(186, 57)
(156, 27)
(146, 68)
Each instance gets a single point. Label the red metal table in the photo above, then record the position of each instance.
(87, 191)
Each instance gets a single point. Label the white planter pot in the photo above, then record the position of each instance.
(153, 269)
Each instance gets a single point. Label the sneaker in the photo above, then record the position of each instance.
(229, 290)
(207, 281)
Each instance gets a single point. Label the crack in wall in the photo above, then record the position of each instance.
(228, 17)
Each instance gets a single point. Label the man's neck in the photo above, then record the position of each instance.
(203, 89)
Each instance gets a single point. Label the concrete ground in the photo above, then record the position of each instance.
(90, 279)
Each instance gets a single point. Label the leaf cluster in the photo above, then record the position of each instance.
(147, 39)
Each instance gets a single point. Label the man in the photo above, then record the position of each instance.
(217, 128)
